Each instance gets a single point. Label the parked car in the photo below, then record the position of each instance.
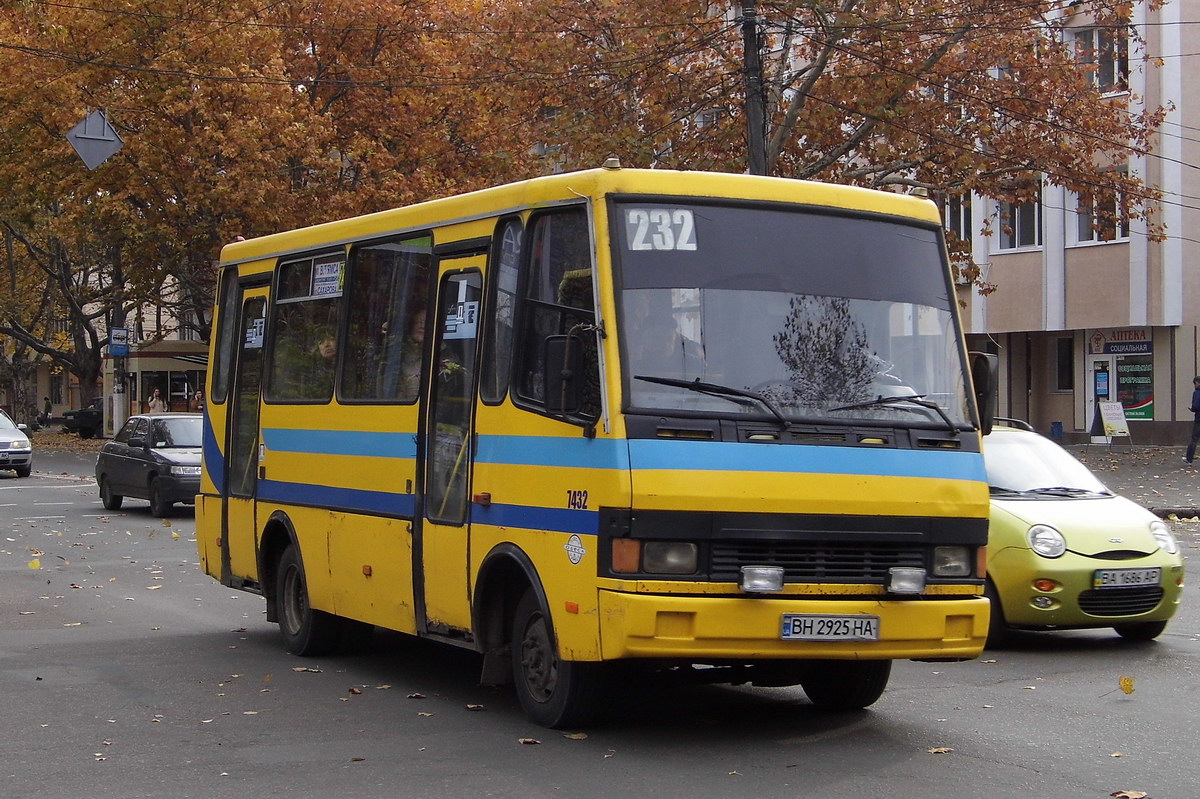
(152, 457)
(86, 421)
(1064, 552)
(16, 450)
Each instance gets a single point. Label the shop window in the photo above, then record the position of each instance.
(1064, 364)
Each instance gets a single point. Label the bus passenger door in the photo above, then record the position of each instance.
(239, 560)
(448, 450)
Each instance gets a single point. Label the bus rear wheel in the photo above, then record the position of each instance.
(305, 631)
(553, 692)
(846, 684)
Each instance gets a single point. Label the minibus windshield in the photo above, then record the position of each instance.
(827, 317)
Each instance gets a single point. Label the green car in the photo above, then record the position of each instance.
(1064, 552)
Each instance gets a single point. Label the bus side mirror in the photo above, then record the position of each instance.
(985, 371)
(562, 374)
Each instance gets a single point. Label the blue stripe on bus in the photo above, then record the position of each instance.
(213, 460)
(532, 517)
(354, 499)
(529, 517)
(733, 457)
(577, 451)
(639, 454)
(341, 442)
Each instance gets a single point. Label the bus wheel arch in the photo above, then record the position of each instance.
(504, 576)
(277, 536)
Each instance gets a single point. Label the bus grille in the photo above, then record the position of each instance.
(811, 562)
(1120, 601)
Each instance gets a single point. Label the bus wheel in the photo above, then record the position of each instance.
(846, 684)
(110, 500)
(553, 692)
(305, 631)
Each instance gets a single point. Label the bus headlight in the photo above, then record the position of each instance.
(761, 579)
(952, 562)
(669, 557)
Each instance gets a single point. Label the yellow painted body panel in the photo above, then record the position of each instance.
(639, 625)
(809, 493)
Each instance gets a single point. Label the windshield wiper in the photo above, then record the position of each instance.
(1065, 491)
(717, 390)
(915, 399)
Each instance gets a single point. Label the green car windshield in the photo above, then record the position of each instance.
(1030, 463)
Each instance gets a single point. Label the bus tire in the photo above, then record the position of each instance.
(553, 692)
(306, 632)
(110, 500)
(846, 684)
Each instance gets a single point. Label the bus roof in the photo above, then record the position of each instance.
(587, 183)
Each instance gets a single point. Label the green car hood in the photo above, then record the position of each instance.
(1091, 526)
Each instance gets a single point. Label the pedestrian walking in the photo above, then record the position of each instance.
(1195, 409)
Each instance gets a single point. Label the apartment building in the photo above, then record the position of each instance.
(1084, 311)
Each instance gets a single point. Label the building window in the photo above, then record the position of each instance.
(1100, 216)
(1104, 52)
(1020, 225)
(957, 213)
(1064, 364)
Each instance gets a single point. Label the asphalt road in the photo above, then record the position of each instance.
(125, 672)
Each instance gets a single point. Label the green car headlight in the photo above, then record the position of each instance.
(1046, 541)
(1162, 534)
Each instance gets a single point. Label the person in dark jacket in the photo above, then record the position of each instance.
(1195, 409)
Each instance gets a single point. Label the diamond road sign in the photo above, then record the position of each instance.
(95, 139)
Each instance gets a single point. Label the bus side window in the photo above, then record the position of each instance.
(558, 298)
(388, 287)
(304, 347)
(496, 366)
(226, 336)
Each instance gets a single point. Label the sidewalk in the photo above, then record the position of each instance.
(1155, 477)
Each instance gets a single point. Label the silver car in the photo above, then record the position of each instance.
(16, 450)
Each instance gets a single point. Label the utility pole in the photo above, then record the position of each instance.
(756, 140)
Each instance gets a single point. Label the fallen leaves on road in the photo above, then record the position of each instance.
(940, 750)
(528, 741)
(1126, 684)
(1130, 794)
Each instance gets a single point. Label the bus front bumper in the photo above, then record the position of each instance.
(734, 628)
